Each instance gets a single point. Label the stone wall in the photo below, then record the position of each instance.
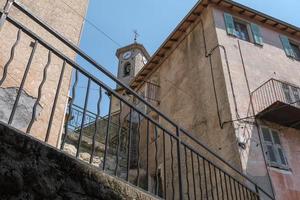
(186, 93)
(30, 169)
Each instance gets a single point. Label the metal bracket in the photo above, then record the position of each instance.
(5, 12)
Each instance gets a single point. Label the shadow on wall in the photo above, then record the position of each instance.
(24, 108)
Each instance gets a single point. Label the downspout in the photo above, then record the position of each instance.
(209, 54)
(255, 119)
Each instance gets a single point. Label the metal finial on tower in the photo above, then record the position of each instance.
(136, 35)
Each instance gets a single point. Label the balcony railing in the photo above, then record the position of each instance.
(170, 162)
(277, 101)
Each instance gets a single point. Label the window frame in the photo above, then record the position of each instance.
(125, 73)
(248, 27)
(278, 164)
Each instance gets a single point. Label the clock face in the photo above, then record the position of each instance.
(127, 55)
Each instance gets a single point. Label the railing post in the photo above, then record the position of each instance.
(6, 10)
(179, 163)
(275, 94)
(257, 192)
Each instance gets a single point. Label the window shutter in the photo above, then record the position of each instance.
(281, 157)
(275, 137)
(271, 153)
(229, 24)
(256, 34)
(266, 135)
(287, 46)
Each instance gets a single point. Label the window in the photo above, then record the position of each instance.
(243, 30)
(127, 69)
(291, 49)
(291, 94)
(296, 50)
(273, 149)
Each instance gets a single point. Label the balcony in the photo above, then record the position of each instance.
(278, 102)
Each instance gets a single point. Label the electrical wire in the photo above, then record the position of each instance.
(92, 24)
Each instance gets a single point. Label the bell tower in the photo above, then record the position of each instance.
(131, 60)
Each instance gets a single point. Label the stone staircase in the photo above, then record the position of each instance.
(31, 169)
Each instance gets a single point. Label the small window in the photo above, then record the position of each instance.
(241, 30)
(291, 48)
(296, 50)
(273, 149)
(127, 69)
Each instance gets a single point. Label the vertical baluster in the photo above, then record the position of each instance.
(83, 117)
(221, 182)
(119, 139)
(248, 194)
(226, 186)
(210, 179)
(55, 102)
(12, 55)
(216, 181)
(257, 193)
(164, 157)
(187, 174)
(39, 93)
(129, 144)
(193, 173)
(138, 150)
(243, 191)
(96, 123)
(156, 159)
(239, 189)
(22, 83)
(107, 132)
(147, 152)
(235, 189)
(205, 179)
(172, 167)
(230, 188)
(199, 173)
(179, 163)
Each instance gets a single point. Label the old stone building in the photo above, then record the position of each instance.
(206, 77)
(67, 22)
(230, 75)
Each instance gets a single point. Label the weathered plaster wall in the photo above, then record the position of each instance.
(187, 96)
(261, 63)
(68, 23)
(30, 169)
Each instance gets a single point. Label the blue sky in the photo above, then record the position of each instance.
(154, 20)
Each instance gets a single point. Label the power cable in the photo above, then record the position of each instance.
(92, 24)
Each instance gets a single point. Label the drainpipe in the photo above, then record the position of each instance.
(255, 119)
(208, 55)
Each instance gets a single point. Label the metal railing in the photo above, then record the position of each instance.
(273, 91)
(169, 161)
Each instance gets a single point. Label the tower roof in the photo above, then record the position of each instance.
(133, 46)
